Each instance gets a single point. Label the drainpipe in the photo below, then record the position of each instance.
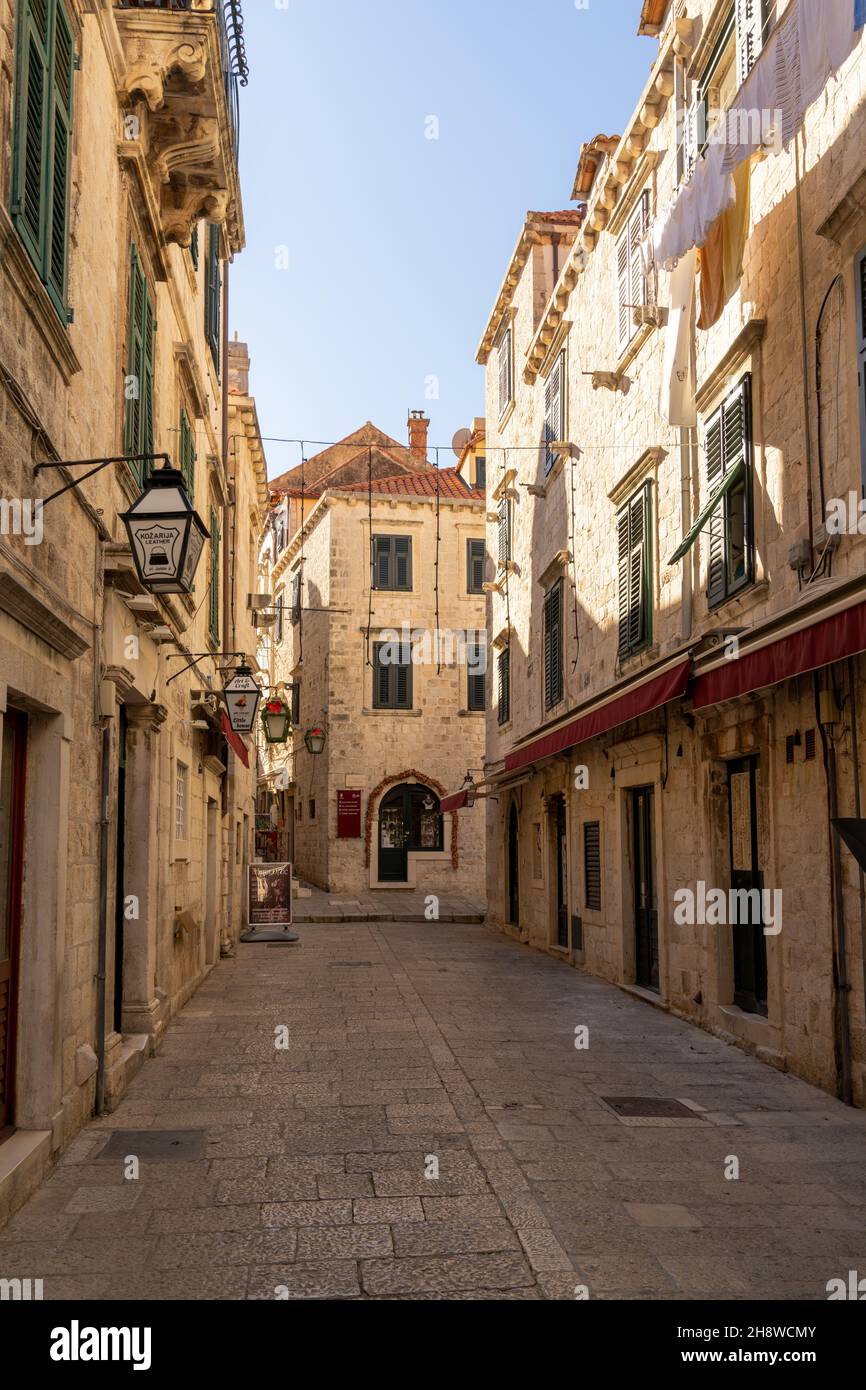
(841, 987)
(102, 955)
(228, 643)
(687, 456)
(807, 442)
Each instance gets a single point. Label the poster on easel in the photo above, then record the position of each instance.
(269, 896)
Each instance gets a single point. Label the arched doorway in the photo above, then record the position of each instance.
(409, 819)
(513, 866)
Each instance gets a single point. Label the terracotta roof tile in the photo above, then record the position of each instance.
(447, 481)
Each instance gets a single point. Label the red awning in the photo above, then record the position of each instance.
(455, 802)
(832, 639)
(234, 741)
(618, 710)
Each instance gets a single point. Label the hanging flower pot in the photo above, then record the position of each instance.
(276, 720)
(314, 740)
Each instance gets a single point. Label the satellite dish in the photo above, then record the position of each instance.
(460, 440)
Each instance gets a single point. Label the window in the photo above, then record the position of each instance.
(214, 607)
(504, 532)
(632, 286)
(42, 140)
(504, 363)
(476, 665)
(312, 810)
(392, 679)
(392, 562)
(475, 566)
(141, 333)
(861, 355)
(729, 481)
(296, 599)
(553, 646)
(181, 799)
(187, 453)
(480, 471)
(296, 703)
(279, 625)
(592, 864)
(279, 535)
(503, 686)
(741, 39)
(554, 411)
(213, 301)
(635, 586)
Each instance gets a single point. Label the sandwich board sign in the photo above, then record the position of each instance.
(269, 903)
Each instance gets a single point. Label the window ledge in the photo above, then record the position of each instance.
(629, 353)
(469, 713)
(36, 299)
(747, 598)
(398, 713)
(507, 414)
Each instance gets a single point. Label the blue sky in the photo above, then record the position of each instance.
(373, 252)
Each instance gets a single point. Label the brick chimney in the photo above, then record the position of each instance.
(239, 368)
(418, 427)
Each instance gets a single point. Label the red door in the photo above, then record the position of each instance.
(12, 773)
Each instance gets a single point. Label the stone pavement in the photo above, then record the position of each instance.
(385, 905)
(310, 1172)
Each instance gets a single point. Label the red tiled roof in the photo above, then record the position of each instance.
(446, 481)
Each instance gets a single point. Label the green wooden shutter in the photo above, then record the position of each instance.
(504, 534)
(194, 247)
(214, 623)
(187, 453)
(716, 531)
(148, 338)
(213, 300)
(633, 573)
(476, 683)
(592, 864)
(475, 566)
(553, 414)
(503, 693)
(402, 552)
(134, 357)
(504, 364)
(752, 17)
(60, 135)
(553, 646)
(42, 139)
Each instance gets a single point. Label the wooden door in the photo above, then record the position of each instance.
(750, 944)
(645, 908)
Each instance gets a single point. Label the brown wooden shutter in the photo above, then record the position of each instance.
(553, 646)
(592, 864)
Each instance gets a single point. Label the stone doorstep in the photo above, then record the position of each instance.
(25, 1158)
(410, 918)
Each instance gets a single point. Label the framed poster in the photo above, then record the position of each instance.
(349, 815)
(269, 895)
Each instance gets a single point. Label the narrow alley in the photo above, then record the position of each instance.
(290, 1132)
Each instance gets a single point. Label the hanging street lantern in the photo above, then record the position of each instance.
(276, 719)
(166, 534)
(314, 740)
(242, 696)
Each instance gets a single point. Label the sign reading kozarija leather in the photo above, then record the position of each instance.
(269, 895)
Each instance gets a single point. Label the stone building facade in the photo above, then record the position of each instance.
(125, 815)
(677, 633)
(402, 723)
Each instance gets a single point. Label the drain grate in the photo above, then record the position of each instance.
(158, 1145)
(649, 1108)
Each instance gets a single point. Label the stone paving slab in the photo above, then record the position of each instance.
(431, 1133)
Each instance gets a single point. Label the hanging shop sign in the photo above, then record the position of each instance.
(166, 535)
(349, 815)
(242, 696)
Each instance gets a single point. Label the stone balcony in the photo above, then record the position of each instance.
(179, 66)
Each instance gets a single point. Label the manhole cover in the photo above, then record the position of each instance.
(158, 1145)
(649, 1107)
